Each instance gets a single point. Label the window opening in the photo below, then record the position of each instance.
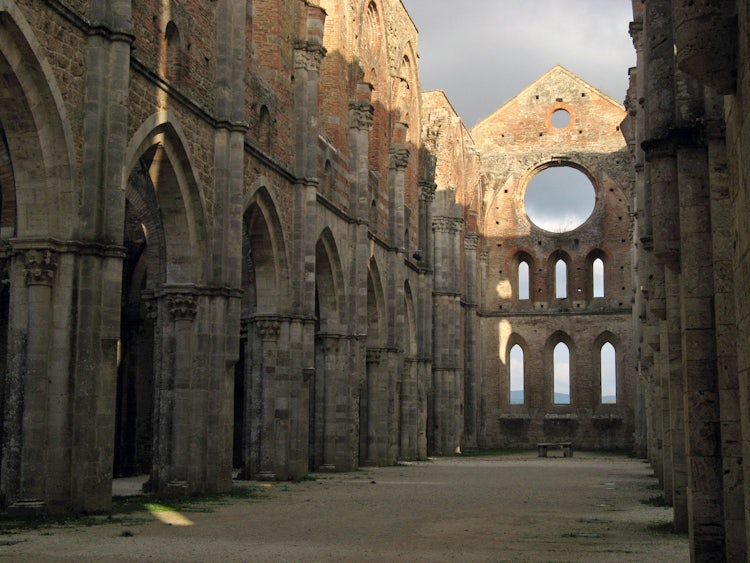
(523, 280)
(559, 199)
(598, 274)
(560, 118)
(561, 359)
(516, 375)
(608, 373)
(561, 279)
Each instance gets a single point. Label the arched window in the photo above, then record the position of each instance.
(173, 68)
(561, 370)
(608, 372)
(523, 280)
(264, 128)
(597, 272)
(561, 279)
(515, 366)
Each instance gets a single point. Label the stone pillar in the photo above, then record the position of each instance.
(326, 408)
(702, 415)
(472, 374)
(268, 395)
(377, 409)
(177, 451)
(38, 407)
(448, 395)
(726, 332)
(409, 405)
(661, 182)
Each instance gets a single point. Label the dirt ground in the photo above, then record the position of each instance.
(507, 508)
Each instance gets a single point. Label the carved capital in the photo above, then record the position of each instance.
(41, 267)
(182, 306)
(449, 225)
(269, 329)
(399, 157)
(374, 355)
(308, 56)
(361, 114)
(471, 241)
(484, 256)
(427, 191)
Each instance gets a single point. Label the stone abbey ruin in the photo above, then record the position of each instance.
(238, 236)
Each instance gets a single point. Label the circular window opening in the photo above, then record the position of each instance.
(560, 118)
(559, 199)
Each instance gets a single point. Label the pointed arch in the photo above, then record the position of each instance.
(596, 265)
(522, 275)
(559, 274)
(376, 321)
(158, 153)
(410, 344)
(606, 357)
(559, 352)
(516, 366)
(265, 272)
(329, 284)
(37, 134)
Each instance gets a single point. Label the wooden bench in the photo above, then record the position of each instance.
(566, 447)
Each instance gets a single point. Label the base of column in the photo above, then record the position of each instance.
(266, 476)
(327, 468)
(27, 507)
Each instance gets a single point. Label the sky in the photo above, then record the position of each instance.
(481, 53)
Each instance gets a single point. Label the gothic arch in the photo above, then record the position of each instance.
(265, 274)
(37, 134)
(158, 151)
(604, 338)
(559, 337)
(591, 258)
(410, 343)
(555, 275)
(329, 284)
(514, 340)
(376, 313)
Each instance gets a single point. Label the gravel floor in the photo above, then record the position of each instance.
(510, 508)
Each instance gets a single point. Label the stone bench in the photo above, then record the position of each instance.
(566, 447)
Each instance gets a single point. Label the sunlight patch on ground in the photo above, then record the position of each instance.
(168, 516)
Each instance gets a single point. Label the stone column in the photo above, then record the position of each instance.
(471, 370)
(662, 183)
(376, 415)
(409, 405)
(271, 444)
(40, 404)
(726, 333)
(326, 411)
(182, 311)
(448, 396)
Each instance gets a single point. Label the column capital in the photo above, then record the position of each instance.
(40, 266)
(269, 329)
(361, 114)
(399, 157)
(447, 224)
(471, 241)
(308, 56)
(427, 191)
(182, 306)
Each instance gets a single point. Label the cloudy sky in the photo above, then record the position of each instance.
(484, 52)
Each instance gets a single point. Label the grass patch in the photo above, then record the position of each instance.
(125, 510)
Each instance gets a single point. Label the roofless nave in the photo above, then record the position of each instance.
(239, 235)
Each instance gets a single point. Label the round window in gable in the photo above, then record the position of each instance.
(560, 118)
(559, 199)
